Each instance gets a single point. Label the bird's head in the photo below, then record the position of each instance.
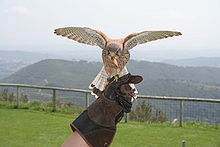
(113, 51)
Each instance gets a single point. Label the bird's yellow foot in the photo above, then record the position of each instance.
(116, 77)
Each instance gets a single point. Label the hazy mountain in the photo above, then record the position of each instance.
(159, 79)
(7, 67)
(12, 61)
(22, 55)
(200, 61)
(70, 50)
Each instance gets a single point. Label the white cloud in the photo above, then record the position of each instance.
(22, 10)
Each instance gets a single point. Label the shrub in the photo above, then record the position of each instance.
(23, 98)
(4, 95)
(11, 98)
(144, 113)
(35, 105)
(68, 107)
(160, 116)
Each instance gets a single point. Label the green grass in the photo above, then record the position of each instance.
(42, 106)
(29, 128)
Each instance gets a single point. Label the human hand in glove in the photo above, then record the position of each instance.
(121, 91)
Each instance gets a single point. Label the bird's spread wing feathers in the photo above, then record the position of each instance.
(139, 38)
(83, 35)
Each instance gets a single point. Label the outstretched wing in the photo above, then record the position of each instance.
(83, 35)
(143, 37)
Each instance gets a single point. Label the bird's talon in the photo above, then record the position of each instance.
(116, 78)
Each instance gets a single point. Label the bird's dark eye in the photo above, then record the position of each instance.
(117, 52)
(107, 52)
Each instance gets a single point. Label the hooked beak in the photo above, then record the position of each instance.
(112, 54)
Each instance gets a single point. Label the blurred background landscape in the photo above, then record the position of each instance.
(194, 77)
(183, 66)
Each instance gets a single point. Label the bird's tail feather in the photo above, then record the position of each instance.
(100, 80)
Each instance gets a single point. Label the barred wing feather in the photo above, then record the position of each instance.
(143, 37)
(83, 35)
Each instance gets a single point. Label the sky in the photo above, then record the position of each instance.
(29, 24)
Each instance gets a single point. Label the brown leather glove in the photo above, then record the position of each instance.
(108, 109)
(121, 91)
(97, 124)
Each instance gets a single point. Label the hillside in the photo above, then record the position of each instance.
(9, 66)
(12, 61)
(195, 62)
(159, 78)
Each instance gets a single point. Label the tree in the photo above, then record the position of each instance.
(160, 116)
(11, 98)
(144, 113)
(23, 98)
(4, 94)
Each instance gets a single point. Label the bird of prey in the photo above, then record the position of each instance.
(115, 52)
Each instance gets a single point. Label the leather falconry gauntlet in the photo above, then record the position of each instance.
(97, 124)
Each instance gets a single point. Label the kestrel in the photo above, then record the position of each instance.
(115, 52)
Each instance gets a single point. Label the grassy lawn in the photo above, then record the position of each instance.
(26, 128)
